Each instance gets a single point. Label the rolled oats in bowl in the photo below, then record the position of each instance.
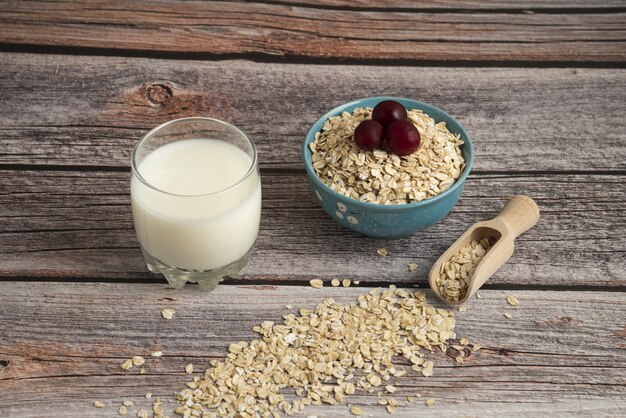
(401, 171)
(380, 176)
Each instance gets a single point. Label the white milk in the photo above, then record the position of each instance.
(199, 230)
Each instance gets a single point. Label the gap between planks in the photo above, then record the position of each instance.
(261, 58)
(158, 279)
(269, 170)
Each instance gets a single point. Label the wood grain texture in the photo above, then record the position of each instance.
(466, 5)
(67, 110)
(61, 346)
(278, 30)
(71, 224)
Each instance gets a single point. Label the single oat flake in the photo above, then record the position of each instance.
(168, 313)
(512, 300)
(382, 252)
(508, 315)
(316, 283)
(335, 282)
(379, 176)
(355, 410)
(430, 401)
(122, 411)
(98, 404)
(189, 368)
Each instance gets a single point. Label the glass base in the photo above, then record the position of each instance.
(206, 279)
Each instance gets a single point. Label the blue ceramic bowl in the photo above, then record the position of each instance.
(388, 221)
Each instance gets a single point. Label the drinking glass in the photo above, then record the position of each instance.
(196, 200)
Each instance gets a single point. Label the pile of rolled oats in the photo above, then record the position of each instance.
(323, 354)
(455, 274)
(383, 177)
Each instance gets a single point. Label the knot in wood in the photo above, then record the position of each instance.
(159, 94)
(453, 353)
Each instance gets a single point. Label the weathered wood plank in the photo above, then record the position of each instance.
(67, 110)
(72, 224)
(61, 346)
(286, 30)
(443, 5)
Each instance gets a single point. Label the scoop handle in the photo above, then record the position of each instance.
(519, 214)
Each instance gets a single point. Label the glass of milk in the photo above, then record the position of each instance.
(196, 200)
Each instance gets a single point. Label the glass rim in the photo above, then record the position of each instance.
(153, 131)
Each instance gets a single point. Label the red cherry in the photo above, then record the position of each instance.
(368, 135)
(403, 137)
(388, 111)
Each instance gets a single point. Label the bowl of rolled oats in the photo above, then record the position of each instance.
(377, 192)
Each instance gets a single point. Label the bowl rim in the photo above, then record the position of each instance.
(310, 136)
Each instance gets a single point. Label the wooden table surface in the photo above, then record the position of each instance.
(540, 86)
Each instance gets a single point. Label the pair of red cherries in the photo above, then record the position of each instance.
(389, 123)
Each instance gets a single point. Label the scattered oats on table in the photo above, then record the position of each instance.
(316, 283)
(382, 177)
(455, 274)
(368, 335)
(168, 313)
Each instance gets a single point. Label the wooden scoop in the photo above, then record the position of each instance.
(518, 215)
